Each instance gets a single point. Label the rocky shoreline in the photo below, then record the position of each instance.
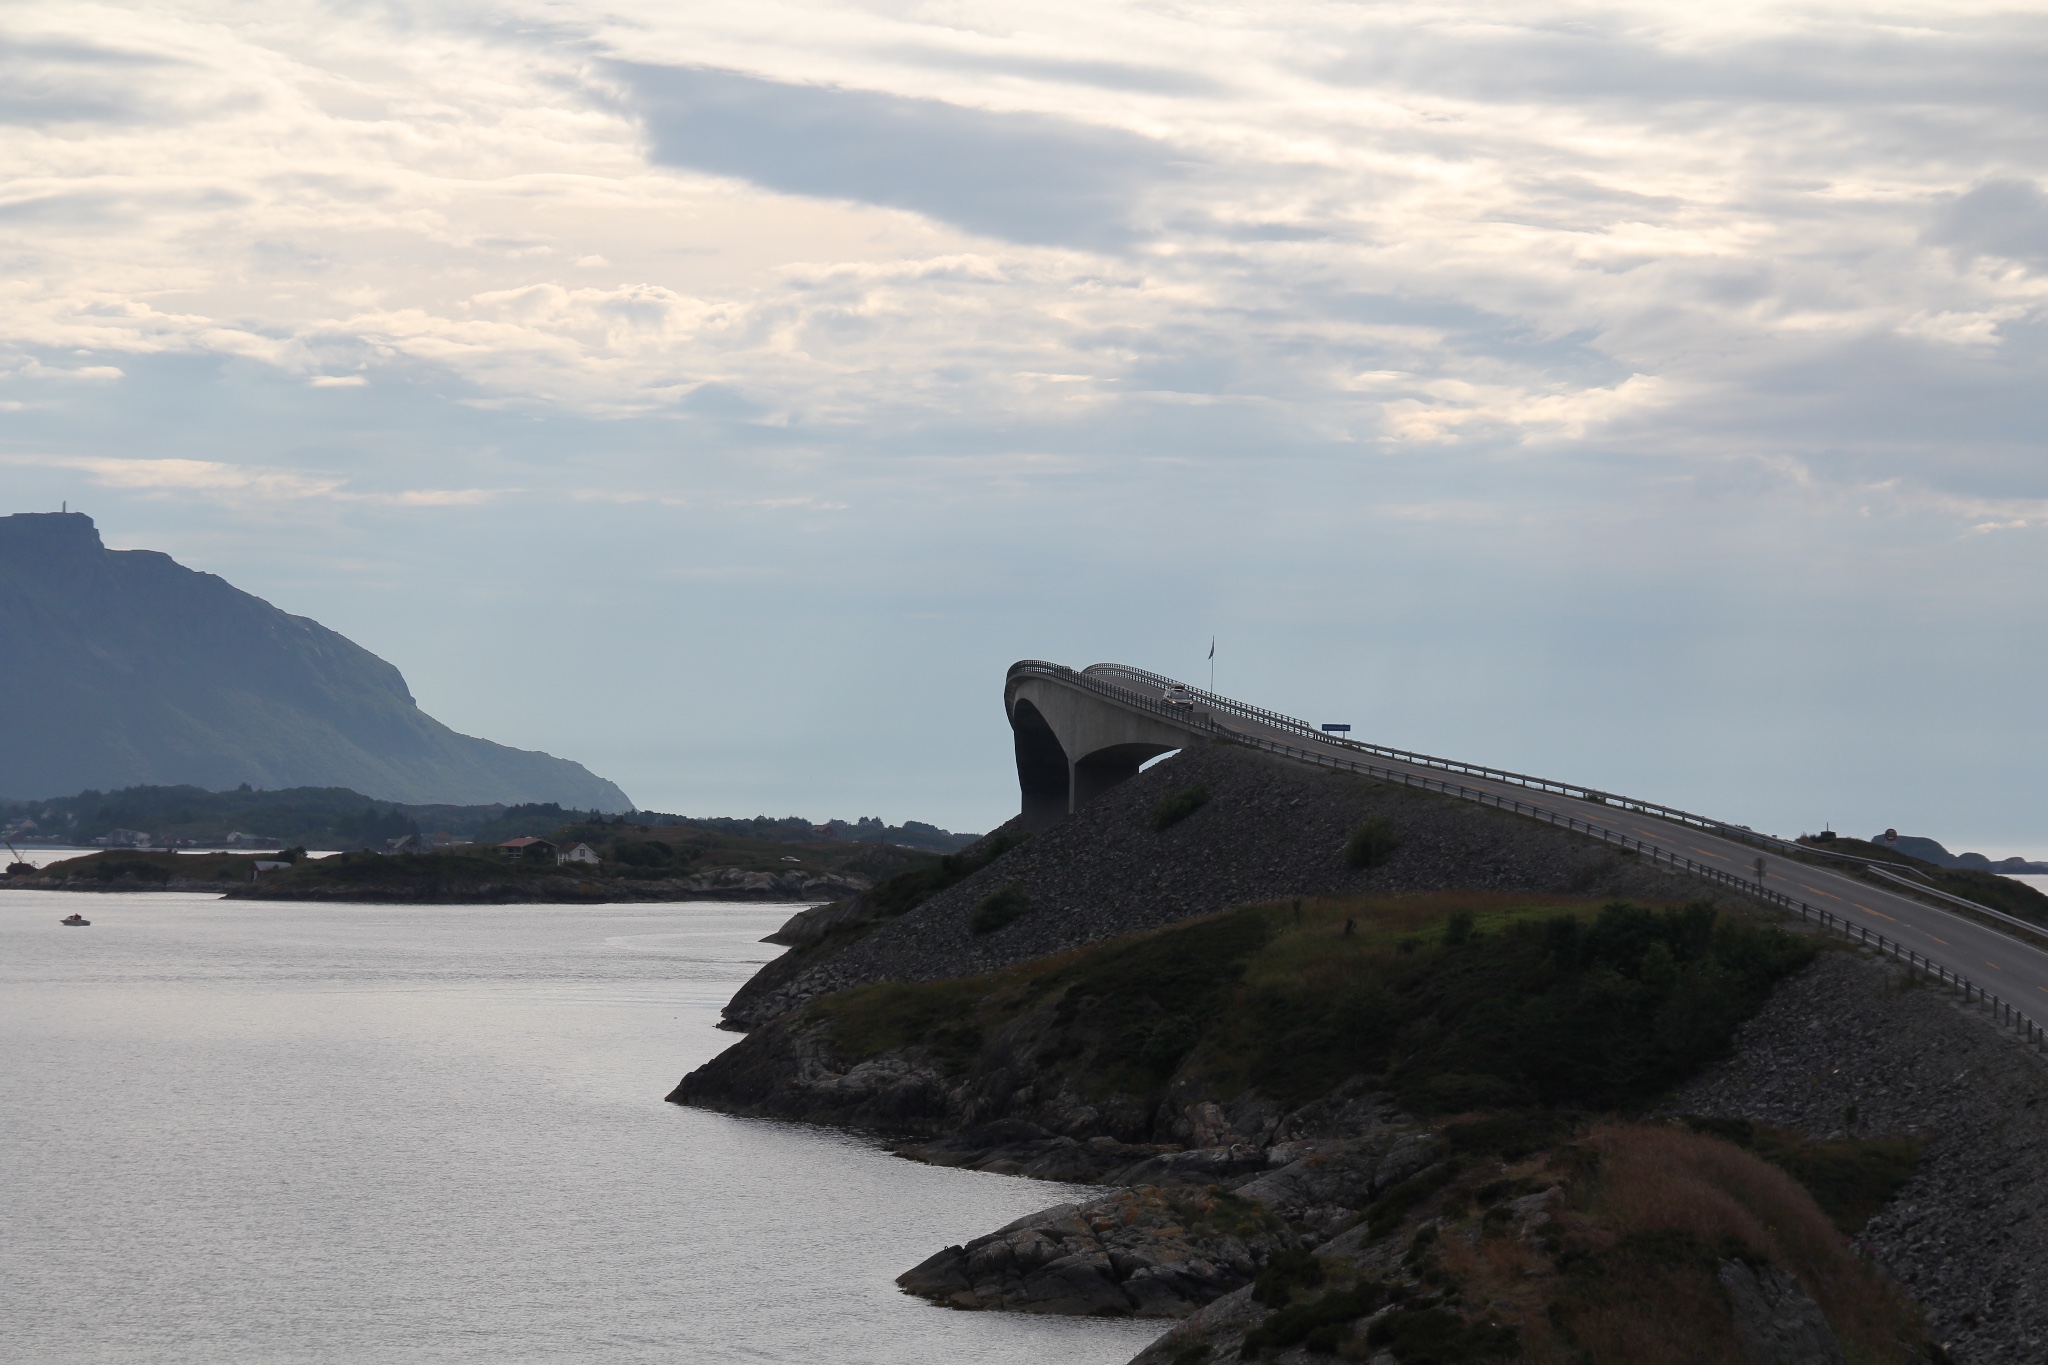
(719, 884)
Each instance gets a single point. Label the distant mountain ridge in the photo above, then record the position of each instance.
(123, 668)
(1929, 851)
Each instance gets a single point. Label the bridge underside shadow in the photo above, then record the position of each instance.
(1073, 746)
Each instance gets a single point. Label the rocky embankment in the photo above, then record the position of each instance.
(1270, 829)
(116, 885)
(1849, 1047)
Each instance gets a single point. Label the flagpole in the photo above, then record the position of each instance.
(1212, 663)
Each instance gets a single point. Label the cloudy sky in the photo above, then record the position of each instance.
(724, 395)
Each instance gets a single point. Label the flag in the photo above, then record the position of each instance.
(1212, 646)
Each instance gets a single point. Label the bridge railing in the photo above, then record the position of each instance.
(1292, 725)
(1091, 680)
(2025, 1027)
(1182, 716)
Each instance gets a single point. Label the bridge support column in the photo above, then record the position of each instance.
(1074, 744)
(1043, 773)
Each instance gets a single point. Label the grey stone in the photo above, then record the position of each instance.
(1779, 1323)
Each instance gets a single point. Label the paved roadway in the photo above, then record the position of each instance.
(2014, 970)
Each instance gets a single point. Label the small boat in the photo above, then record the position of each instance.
(74, 918)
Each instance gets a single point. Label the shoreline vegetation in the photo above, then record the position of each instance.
(337, 817)
(699, 860)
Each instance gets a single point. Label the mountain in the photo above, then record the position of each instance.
(1930, 851)
(123, 668)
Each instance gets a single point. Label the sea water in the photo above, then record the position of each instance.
(269, 1132)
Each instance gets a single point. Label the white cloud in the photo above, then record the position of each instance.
(1519, 213)
(245, 483)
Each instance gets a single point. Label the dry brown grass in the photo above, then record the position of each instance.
(1627, 1272)
(1730, 1203)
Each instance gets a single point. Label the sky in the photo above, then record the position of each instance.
(723, 396)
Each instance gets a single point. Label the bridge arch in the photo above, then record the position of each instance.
(1074, 743)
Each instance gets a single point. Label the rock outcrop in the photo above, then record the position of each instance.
(1165, 1250)
(1778, 1321)
(1145, 1252)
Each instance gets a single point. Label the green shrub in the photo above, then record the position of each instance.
(1321, 1323)
(1123, 996)
(1389, 1209)
(1179, 806)
(642, 852)
(141, 869)
(1508, 1136)
(906, 891)
(1373, 843)
(1559, 1011)
(1437, 1336)
(1285, 1273)
(1850, 1178)
(997, 909)
(1168, 1040)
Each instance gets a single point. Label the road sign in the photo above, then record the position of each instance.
(1336, 729)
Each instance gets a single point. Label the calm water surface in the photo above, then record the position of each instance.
(242, 1132)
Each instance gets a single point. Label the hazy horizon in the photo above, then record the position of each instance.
(723, 399)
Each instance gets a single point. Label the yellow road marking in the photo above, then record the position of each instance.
(1993, 965)
(1942, 941)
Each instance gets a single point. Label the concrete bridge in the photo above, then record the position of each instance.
(1079, 732)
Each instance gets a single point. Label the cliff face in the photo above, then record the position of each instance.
(123, 667)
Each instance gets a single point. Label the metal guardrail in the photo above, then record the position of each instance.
(1937, 893)
(1291, 724)
(2031, 1032)
(1182, 716)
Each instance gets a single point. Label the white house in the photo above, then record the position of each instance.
(582, 853)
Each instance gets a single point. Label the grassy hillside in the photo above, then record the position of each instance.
(1452, 1002)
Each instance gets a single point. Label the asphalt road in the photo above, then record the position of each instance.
(2012, 969)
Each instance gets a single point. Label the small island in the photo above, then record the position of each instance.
(590, 860)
